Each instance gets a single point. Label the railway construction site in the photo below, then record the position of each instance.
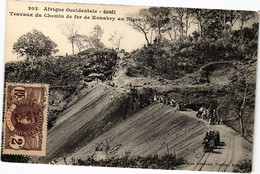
(140, 119)
(108, 122)
(132, 116)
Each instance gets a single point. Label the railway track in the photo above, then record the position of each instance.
(225, 165)
(201, 162)
(229, 158)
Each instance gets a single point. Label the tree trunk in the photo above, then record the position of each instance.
(72, 44)
(159, 35)
(200, 29)
(241, 120)
(151, 38)
(224, 23)
(181, 31)
(146, 38)
(186, 33)
(187, 27)
(242, 129)
(118, 45)
(242, 24)
(170, 36)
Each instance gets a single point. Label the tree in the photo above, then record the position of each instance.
(158, 17)
(244, 16)
(242, 96)
(142, 24)
(34, 44)
(243, 92)
(115, 38)
(96, 36)
(70, 30)
(213, 25)
(198, 14)
(180, 14)
(91, 41)
(82, 42)
(231, 17)
(180, 21)
(173, 27)
(188, 16)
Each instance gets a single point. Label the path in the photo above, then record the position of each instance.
(232, 148)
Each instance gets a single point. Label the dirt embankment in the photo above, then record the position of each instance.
(95, 111)
(160, 129)
(156, 129)
(106, 114)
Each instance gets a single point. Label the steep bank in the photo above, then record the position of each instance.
(149, 132)
(160, 129)
(94, 112)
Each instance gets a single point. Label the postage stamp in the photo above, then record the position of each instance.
(25, 121)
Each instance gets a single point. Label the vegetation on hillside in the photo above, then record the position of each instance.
(65, 75)
(244, 166)
(219, 36)
(214, 40)
(167, 161)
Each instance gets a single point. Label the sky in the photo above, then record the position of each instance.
(52, 27)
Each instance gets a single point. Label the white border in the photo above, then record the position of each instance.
(214, 4)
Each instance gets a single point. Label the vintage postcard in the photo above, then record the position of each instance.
(130, 86)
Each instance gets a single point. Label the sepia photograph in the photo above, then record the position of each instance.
(129, 86)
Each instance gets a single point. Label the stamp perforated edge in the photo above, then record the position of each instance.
(44, 131)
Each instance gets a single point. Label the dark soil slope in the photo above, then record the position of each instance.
(88, 116)
(149, 132)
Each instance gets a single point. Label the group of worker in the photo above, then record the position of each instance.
(208, 114)
(164, 99)
(211, 141)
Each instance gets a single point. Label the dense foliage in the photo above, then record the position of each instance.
(244, 166)
(167, 161)
(219, 37)
(15, 158)
(65, 75)
(174, 59)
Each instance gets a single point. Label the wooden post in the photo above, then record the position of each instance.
(64, 158)
(167, 149)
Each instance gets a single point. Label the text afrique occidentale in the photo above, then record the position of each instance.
(79, 10)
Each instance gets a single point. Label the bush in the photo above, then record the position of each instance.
(65, 75)
(167, 161)
(244, 166)
(174, 59)
(15, 158)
